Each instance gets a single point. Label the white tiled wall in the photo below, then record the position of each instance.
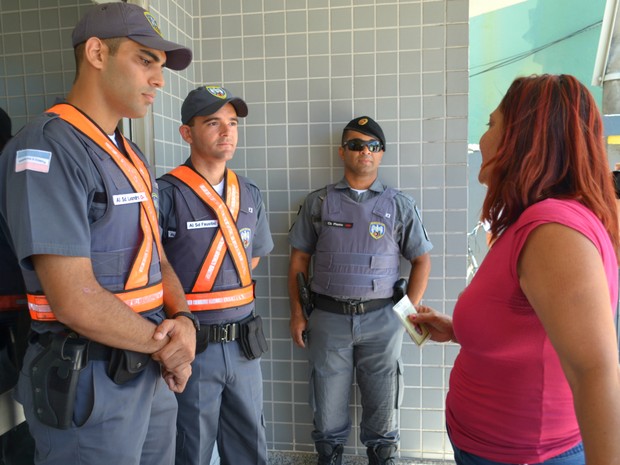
(36, 57)
(305, 68)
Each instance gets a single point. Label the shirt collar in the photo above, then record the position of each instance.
(376, 186)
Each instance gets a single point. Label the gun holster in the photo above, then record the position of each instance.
(305, 295)
(54, 377)
(400, 290)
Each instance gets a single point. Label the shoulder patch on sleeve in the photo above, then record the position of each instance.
(34, 160)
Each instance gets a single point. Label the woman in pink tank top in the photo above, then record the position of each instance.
(537, 377)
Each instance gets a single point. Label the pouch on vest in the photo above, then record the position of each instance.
(54, 375)
(252, 340)
(125, 365)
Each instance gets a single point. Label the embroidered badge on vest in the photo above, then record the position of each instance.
(246, 236)
(376, 229)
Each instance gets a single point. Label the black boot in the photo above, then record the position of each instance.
(383, 454)
(329, 454)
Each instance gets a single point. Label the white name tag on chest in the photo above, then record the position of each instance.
(202, 224)
(123, 199)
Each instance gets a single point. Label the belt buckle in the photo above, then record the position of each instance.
(353, 307)
(225, 333)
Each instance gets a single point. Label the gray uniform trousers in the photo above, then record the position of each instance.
(227, 390)
(371, 345)
(129, 424)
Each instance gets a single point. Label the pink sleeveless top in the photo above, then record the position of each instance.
(509, 400)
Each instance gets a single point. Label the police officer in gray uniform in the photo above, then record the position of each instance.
(16, 444)
(356, 229)
(106, 350)
(215, 230)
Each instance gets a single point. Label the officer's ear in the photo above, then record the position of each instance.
(94, 52)
(341, 152)
(186, 132)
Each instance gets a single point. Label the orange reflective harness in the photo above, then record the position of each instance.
(226, 239)
(12, 302)
(138, 294)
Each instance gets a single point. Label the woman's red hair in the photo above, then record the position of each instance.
(552, 147)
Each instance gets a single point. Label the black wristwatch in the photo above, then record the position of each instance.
(191, 316)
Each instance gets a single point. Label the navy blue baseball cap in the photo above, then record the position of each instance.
(119, 19)
(366, 125)
(206, 100)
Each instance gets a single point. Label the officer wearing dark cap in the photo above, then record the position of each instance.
(105, 356)
(356, 231)
(207, 100)
(215, 230)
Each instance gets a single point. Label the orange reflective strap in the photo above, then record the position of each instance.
(40, 309)
(12, 302)
(143, 300)
(138, 175)
(139, 275)
(220, 300)
(211, 264)
(140, 300)
(227, 214)
(148, 217)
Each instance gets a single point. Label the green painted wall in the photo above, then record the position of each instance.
(507, 34)
(513, 31)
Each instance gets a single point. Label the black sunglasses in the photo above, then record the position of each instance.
(357, 145)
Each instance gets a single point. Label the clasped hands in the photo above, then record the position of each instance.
(177, 353)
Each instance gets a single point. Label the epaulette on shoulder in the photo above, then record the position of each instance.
(400, 193)
(249, 181)
(46, 118)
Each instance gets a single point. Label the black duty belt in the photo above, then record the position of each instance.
(222, 333)
(95, 351)
(348, 307)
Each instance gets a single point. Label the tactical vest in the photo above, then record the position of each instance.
(356, 255)
(220, 290)
(125, 241)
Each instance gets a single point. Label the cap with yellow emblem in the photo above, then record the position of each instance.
(119, 19)
(206, 100)
(366, 125)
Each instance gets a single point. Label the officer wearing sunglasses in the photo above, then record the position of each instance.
(357, 145)
(356, 230)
